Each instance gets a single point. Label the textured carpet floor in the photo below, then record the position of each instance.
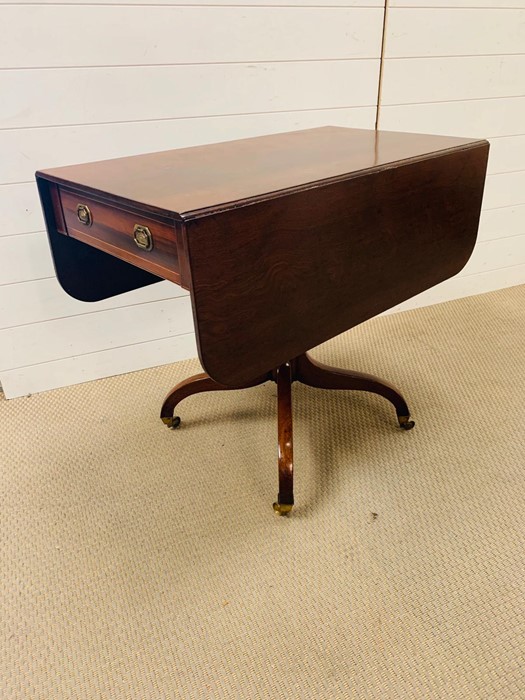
(142, 563)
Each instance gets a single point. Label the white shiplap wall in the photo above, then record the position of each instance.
(91, 81)
(101, 80)
(457, 67)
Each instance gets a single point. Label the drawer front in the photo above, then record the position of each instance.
(139, 240)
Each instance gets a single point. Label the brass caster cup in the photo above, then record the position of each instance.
(282, 508)
(172, 422)
(405, 423)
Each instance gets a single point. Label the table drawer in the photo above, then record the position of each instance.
(137, 239)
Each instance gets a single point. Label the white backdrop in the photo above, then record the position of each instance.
(84, 82)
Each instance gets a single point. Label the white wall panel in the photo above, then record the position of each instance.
(501, 223)
(40, 300)
(83, 368)
(26, 150)
(51, 97)
(164, 35)
(439, 32)
(20, 210)
(495, 5)
(150, 77)
(475, 118)
(457, 68)
(24, 257)
(78, 335)
(258, 67)
(507, 154)
(496, 254)
(466, 285)
(211, 3)
(504, 190)
(412, 80)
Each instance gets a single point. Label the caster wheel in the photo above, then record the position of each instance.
(405, 423)
(282, 508)
(172, 423)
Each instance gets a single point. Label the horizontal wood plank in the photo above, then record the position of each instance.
(477, 118)
(504, 190)
(507, 154)
(496, 254)
(52, 97)
(465, 286)
(496, 5)
(20, 210)
(26, 150)
(211, 3)
(413, 80)
(500, 223)
(167, 34)
(90, 366)
(78, 335)
(441, 31)
(25, 257)
(45, 300)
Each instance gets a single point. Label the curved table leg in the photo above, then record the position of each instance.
(284, 379)
(195, 385)
(315, 374)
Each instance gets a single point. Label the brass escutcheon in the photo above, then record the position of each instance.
(84, 215)
(143, 237)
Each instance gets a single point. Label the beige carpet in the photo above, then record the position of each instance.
(142, 563)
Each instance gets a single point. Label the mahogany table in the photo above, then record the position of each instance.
(283, 241)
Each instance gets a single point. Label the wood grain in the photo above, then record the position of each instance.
(85, 272)
(190, 182)
(112, 232)
(298, 270)
(291, 239)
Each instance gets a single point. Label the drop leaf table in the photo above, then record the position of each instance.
(283, 241)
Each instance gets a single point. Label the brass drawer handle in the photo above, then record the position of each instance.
(143, 237)
(84, 215)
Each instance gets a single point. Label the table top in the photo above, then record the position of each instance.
(284, 241)
(192, 181)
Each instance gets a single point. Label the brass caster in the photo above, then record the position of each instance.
(171, 422)
(282, 508)
(405, 423)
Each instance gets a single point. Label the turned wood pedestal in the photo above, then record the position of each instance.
(301, 369)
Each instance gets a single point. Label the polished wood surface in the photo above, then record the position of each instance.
(284, 379)
(196, 385)
(274, 279)
(112, 230)
(192, 181)
(316, 374)
(284, 241)
(302, 369)
(84, 272)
